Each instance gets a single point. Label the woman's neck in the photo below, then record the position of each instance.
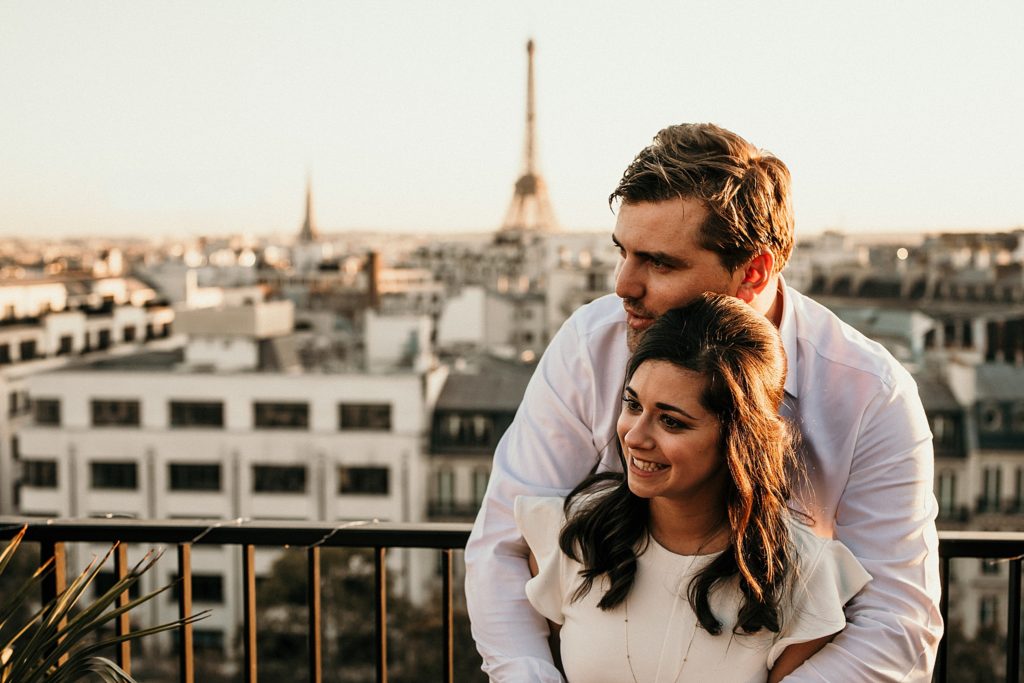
(689, 529)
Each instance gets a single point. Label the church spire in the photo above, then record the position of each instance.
(309, 232)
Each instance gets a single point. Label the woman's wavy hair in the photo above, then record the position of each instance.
(740, 353)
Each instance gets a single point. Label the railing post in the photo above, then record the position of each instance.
(57, 580)
(940, 659)
(313, 600)
(1013, 623)
(447, 616)
(123, 624)
(249, 608)
(186, 655)
(380, 584)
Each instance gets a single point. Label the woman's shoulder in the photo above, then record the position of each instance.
(825, 561)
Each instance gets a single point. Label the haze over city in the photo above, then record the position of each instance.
(144, 118)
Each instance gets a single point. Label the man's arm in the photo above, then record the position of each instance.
(547, 451)
(886, 517)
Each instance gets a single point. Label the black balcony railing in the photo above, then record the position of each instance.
(53, 534)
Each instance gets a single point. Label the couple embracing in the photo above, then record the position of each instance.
(710, 477)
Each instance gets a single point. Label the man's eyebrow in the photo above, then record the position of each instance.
(659, 256)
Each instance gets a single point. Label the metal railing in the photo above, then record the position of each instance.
(1001, 545)
(53, 534)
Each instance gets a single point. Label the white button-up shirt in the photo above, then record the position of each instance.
(866, 449)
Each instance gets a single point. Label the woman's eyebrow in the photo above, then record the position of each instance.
(671, 408)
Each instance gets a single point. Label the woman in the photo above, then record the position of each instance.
(689, 566)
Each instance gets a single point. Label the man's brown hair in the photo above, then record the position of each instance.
(745, 190)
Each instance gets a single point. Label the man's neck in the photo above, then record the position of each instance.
(769, 301)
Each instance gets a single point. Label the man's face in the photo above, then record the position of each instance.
(663, 266)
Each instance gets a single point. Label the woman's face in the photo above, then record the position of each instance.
(671, 443)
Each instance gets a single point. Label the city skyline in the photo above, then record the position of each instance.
(139, 118)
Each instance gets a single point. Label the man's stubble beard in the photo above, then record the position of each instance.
(633, 338)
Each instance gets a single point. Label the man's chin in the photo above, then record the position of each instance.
(633, 338)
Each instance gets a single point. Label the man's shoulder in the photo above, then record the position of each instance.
(600, 317)
(830, 346)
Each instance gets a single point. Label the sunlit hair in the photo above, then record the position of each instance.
(746, 190)
(740, 355)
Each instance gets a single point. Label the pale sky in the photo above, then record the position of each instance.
(203, 117)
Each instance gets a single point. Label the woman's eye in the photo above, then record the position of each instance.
(631, 404)
(671, 422)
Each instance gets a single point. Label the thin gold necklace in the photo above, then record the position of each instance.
(693, 634)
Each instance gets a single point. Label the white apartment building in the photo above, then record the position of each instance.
(207, 432)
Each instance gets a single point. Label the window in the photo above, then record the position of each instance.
(197, 414)
(192, 477)
(115, 475)
(39, 473)
(445, 487)
(278, 479)
(947, 493)
(28, 349)
(113, 413)
(469, 429)
(988, 607)
(5, 354)
(104, 340)
(281, 415)
(365, 480)
(367, 416)
(65, 345)
(128, 333)
(480, 477)
(46, 411)
(992, 491)
(991, 417)
(104, 581)
(989, 567)
(205, 588)
(209, 641)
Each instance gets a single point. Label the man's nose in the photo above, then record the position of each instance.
(628, 284)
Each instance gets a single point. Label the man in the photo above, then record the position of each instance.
(701, 209)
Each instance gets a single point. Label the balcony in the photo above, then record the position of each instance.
(379, 537)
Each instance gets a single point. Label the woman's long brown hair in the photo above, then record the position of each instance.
(740, 354)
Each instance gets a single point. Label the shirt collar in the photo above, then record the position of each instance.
(787, 330)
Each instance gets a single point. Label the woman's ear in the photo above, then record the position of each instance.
(756, 275)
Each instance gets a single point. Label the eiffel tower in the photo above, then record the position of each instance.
(530, 212)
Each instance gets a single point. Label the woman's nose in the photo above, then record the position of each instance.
(637, 436)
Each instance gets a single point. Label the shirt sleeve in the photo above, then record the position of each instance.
(547, 450)
(886, 517)
(540, 521)
(825, 582)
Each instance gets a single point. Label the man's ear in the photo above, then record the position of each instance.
(756, 275)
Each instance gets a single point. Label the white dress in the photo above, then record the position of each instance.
(662, 638)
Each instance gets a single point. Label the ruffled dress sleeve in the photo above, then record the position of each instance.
(828, 577)
(540, 521)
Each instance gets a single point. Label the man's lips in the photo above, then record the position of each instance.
(637, 321)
